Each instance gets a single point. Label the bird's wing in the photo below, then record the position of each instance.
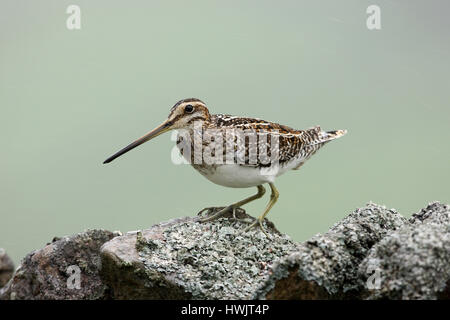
(283, 145)
(258, 142)
(264, 143)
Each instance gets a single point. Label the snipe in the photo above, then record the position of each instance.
(237, 152)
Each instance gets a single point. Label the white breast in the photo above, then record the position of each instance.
(236, 176)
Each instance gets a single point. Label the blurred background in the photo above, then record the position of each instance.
(71, 98)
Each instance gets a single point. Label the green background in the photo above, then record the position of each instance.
(69, 99)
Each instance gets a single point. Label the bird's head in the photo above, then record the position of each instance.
(182, 116)
(185, 112)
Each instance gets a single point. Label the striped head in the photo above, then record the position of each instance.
(182, 115)
(185, 112)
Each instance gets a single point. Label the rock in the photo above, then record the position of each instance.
(435, 212)
(51, 272)
(6, 267)
(185, 259)
(326, 266)
(373, 253)
(414, 261)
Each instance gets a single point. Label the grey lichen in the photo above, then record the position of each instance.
(43, 273)
(435, 212)
(327, 264)
(185, 259)
(414, 261)
(214, 260)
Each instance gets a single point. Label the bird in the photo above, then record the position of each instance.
(237, 152)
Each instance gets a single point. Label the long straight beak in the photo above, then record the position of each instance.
(165, 126)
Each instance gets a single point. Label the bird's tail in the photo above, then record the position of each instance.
(318, 138)
(331, 135)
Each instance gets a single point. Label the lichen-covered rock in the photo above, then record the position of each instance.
(185, 259)
(326, 266)
(373, 253)
(414, 261)
(435, 212)
(52, 272)
(6, 267)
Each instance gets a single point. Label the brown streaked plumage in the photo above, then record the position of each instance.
(239, 147)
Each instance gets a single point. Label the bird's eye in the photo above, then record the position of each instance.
(189, 108)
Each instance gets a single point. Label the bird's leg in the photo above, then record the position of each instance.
(259, 222)
(222, 211)
(209, 210)
(239, 219)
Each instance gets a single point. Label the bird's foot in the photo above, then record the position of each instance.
(257, 223)
(218, 212)
(209, 210)
(241, 212)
